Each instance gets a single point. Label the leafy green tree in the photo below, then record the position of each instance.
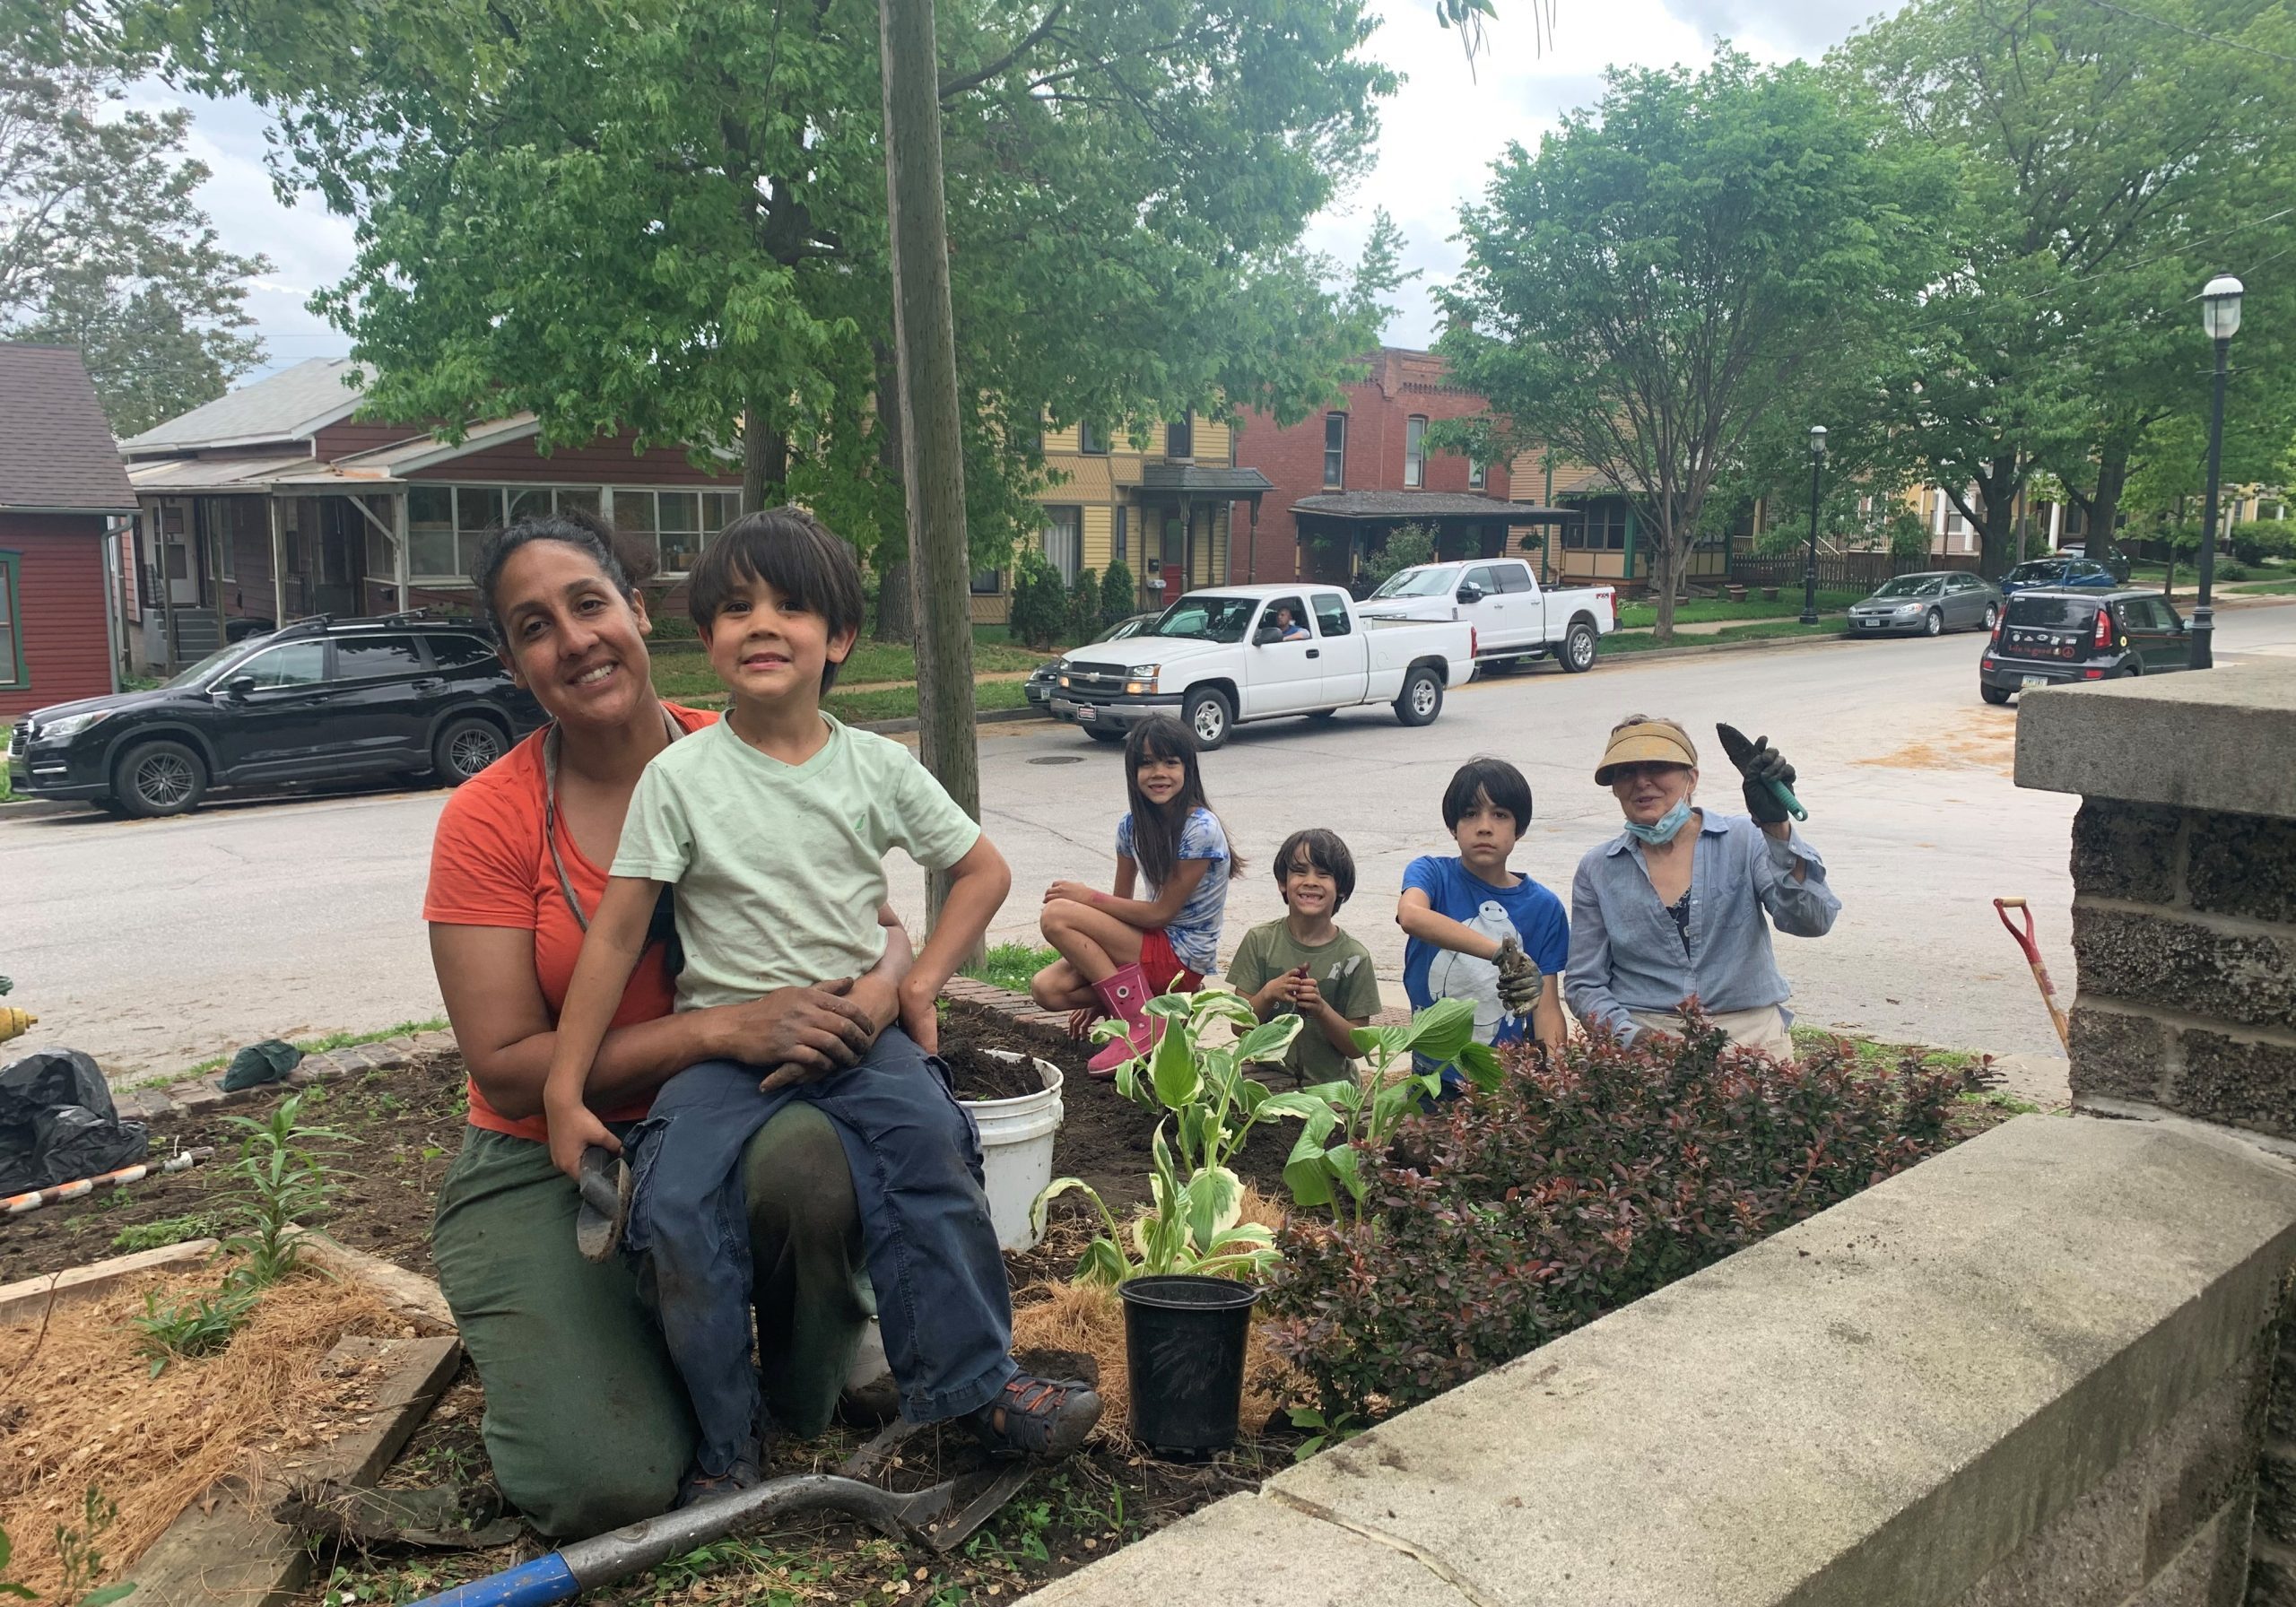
(1040, 611)
(2108, 164)
(1084, 607)
(1675, 267)
(102, 244)
(672, 219)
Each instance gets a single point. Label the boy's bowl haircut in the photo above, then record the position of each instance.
(796, 554)
(1495, 779)
(1325, 852)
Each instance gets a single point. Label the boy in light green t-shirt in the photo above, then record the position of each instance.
(1304, 965)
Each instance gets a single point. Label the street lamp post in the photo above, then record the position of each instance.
(2219, 315)
(1810, 566)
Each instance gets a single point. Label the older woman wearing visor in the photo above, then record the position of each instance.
(1680, 904)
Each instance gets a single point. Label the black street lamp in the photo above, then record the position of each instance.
(2219, 315)
(1810, 569)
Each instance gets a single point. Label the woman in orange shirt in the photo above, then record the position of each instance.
(516, 867)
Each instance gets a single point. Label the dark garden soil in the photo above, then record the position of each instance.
(401, 1131)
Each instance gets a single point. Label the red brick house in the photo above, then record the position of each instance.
(61, 491)
(1348, 476)
(275, 502)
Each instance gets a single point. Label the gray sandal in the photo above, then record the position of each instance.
(604, 1212)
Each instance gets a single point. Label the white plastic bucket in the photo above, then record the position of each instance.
(1016, 1150)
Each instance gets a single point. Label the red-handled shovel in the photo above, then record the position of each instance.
(2025, 940)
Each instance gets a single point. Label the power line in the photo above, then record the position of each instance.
(2138, 16)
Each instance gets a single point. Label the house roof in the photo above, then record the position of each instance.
(1424, 505)
(291, 405)
(56, 450)
(1197, 477)
(175, 475)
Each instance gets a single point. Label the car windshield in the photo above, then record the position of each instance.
(211, 666)
(1206, 618)
(2051, 613)
(1910, 586)
(1433, 582)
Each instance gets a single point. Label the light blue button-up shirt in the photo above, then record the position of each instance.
(1626, 953)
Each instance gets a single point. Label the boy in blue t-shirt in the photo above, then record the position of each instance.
(1475, 929)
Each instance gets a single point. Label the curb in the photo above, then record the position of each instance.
(206, 1092)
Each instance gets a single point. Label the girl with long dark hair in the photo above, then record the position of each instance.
(1118, 951)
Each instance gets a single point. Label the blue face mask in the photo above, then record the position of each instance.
(1667, 825)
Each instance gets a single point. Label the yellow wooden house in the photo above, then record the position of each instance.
(1165, 510)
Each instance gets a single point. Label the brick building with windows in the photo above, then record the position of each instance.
(1348, 475)
(276, 502)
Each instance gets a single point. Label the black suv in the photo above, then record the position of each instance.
(2046, 637)
(320, 699)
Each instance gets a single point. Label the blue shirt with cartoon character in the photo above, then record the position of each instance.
(1525, 912)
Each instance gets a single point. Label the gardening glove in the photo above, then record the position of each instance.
(1761, 767)
(1519, 978)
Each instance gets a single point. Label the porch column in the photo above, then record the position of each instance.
(158, 540)
(399, 543)
(278, 564)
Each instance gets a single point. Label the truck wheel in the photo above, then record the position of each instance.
(1995, 694)
(1422, 698)
(1578, 648)
(1208, 716)
(159, 779)
(465, 747)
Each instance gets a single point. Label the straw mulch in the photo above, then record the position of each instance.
(79, 1408)
(1089, 1317)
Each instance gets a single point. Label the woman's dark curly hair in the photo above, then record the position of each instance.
(624, 564)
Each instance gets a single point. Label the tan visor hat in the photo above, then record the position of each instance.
(1645, 742)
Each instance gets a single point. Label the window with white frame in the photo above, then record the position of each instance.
(1335, 449)
(1414, 451)
(1064, 541)
(676, 523)
(11, 636)
(1474, 473)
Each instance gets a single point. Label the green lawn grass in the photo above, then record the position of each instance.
(314, 1045)
(1641, 615)
(682, 669)
(2274, 588)
(1643, 642)
(1011, 965)
(900, 702)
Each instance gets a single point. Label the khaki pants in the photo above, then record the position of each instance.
(1762, 1030)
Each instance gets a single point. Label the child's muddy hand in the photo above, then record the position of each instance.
(574, 1129)
(1519, 978)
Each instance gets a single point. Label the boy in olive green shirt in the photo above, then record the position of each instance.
(1304, 965)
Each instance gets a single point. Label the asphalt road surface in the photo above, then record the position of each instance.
(156, 944)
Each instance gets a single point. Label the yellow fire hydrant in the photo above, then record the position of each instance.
(15, 1022)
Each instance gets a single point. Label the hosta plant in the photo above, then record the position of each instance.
(1193, 1220)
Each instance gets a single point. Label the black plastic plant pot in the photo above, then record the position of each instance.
(1184, 1350)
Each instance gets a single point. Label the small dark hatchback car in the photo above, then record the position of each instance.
(2049, 637)
(320, 700)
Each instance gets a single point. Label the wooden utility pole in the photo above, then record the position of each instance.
(932, 445)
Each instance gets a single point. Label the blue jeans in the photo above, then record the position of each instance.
(943, 1305)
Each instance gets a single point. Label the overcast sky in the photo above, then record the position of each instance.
(1441, 133)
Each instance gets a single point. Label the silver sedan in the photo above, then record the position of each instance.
(1929, 603)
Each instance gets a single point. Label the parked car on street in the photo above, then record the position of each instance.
(1218, 658)
(1931, 604)
(1038, 689)
(2064, 570)
(2047, 637)
(320, 700)
(1514, 621)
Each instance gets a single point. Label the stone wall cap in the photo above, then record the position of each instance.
(2222, 739)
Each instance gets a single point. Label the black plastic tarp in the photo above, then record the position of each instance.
(58, 1122)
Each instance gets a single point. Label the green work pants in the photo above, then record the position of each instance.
(586, 1421)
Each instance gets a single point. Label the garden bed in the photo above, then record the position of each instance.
(404, 1127)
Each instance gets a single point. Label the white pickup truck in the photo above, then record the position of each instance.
(1514, 620)
(1219, 657)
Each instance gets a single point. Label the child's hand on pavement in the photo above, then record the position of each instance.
(1075, 893)
(573, 1129)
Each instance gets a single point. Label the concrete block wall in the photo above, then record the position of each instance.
(2184, 931)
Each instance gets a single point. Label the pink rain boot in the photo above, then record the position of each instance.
(1125, 997)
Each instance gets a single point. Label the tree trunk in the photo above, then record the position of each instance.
(1663, 566)
(765, 463)
(896, 576)
(931, 442)
(2103, 513)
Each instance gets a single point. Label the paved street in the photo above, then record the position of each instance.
(156, 944)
